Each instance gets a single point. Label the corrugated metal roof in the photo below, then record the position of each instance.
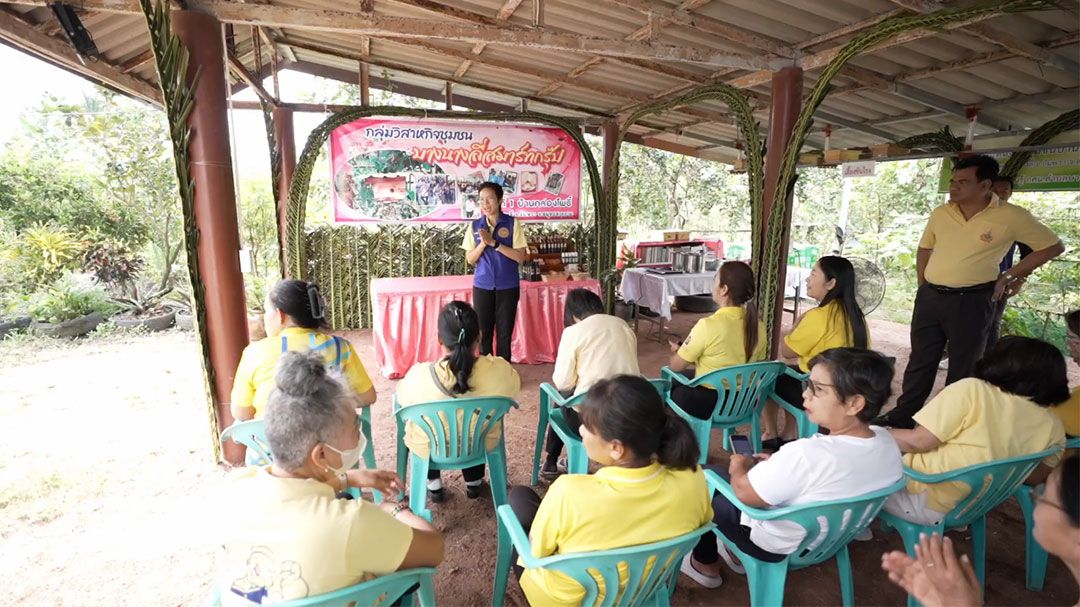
(1021, 80)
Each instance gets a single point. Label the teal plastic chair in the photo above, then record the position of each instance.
(806, 427)
(990, 484)
(653, 587)
(1036, 556)
(252, 435)
(454, 443)
(843, 519)
(577, 462)
(383, 590)
(740, 393)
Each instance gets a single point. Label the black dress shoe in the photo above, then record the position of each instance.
(473, 491)
(436, 496)
(893, 421)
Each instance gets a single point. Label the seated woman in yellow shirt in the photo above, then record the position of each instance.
(594, 346)
(1069, 411)
(733, 335)
(836, 322)
(295, 320)
(1000, 412)
(649, 488)
(461, 373)
(295, 538)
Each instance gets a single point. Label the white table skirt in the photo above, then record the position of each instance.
(658, 291)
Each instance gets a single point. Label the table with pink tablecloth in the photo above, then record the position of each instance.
(405, 312)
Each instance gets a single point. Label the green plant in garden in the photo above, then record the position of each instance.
(112, 263)
(142, 298)
(45, 252)
(67, 299)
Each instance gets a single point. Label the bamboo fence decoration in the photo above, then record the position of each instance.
(1067, 121)
(296, 249)
(178, 94)
(786, 181)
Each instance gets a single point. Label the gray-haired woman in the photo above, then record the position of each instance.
(295, 538)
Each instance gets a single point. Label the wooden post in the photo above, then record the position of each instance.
(524, 105)
(787, 87)
(284, 135)
(365, 86)
(449, 96)
(538, 13)
(215, 210)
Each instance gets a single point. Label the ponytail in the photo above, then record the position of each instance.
(739, 280)
(678, 446)
(459, 328)
(627, 408)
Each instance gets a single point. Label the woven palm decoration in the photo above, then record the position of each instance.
(886, 30)
(178, 93)
(1067, 121)
(943, 140)
(275, 171)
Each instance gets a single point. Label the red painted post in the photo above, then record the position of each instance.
(787, 85)
(284, 135)
(215, 209)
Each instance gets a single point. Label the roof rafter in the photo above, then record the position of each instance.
(16, 30)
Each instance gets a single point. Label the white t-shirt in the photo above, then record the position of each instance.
(819, 469)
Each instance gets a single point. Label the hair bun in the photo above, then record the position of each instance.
(301, 373)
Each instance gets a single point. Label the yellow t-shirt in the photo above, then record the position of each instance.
(520, 241)
(716, 342)
(1069, 413)
(295, 539)
(821, 328)
(968, 252)
(597, 347)
(491, 376)
(614, 508)
(976, 423)
(255, 374)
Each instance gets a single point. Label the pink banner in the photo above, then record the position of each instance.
(417, 170)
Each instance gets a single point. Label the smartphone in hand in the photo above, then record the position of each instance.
(740, 445)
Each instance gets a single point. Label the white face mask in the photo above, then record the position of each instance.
(349, 458)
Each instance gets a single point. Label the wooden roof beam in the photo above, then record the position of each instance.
(17, 31)
(1000, 37)
(243, 74)
(851, 28)
(502, 16)
(701, 23)
(862, 127)
(137, 61)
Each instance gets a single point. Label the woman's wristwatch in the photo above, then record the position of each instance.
(398, 509)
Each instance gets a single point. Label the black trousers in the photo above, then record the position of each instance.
(994, 333)
(525, 503)
(790, 389)
(727, 517)
(554, 443)
(497, 310)
(961, 320)
(699, 402)
(472, 473)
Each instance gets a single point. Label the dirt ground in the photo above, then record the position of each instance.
(107, 485)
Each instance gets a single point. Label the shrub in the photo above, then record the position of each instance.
(112, 263)
(68, 299)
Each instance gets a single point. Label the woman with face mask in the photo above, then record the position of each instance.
(648, 489)
(460, 373)
(307, 540)
(836, 322)
(294, 316)
(938, 579)
(846, 389)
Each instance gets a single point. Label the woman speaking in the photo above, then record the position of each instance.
(495, 244)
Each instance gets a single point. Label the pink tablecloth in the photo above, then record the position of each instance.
(405, 314)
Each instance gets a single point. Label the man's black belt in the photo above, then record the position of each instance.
(986, 286)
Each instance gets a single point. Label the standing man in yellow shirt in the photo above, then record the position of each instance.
(959, 279)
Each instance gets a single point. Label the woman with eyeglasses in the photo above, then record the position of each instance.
(936, 578)
(294, 316)
(460, 373)
(846, 389)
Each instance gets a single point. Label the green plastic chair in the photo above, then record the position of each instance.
(806, 427)
(740, 393)
(653, 587)
(383, 590)
(990, 484)
(1036, 556)
(577, 462)
(844, 519)
(252, 435)
(454, 443)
